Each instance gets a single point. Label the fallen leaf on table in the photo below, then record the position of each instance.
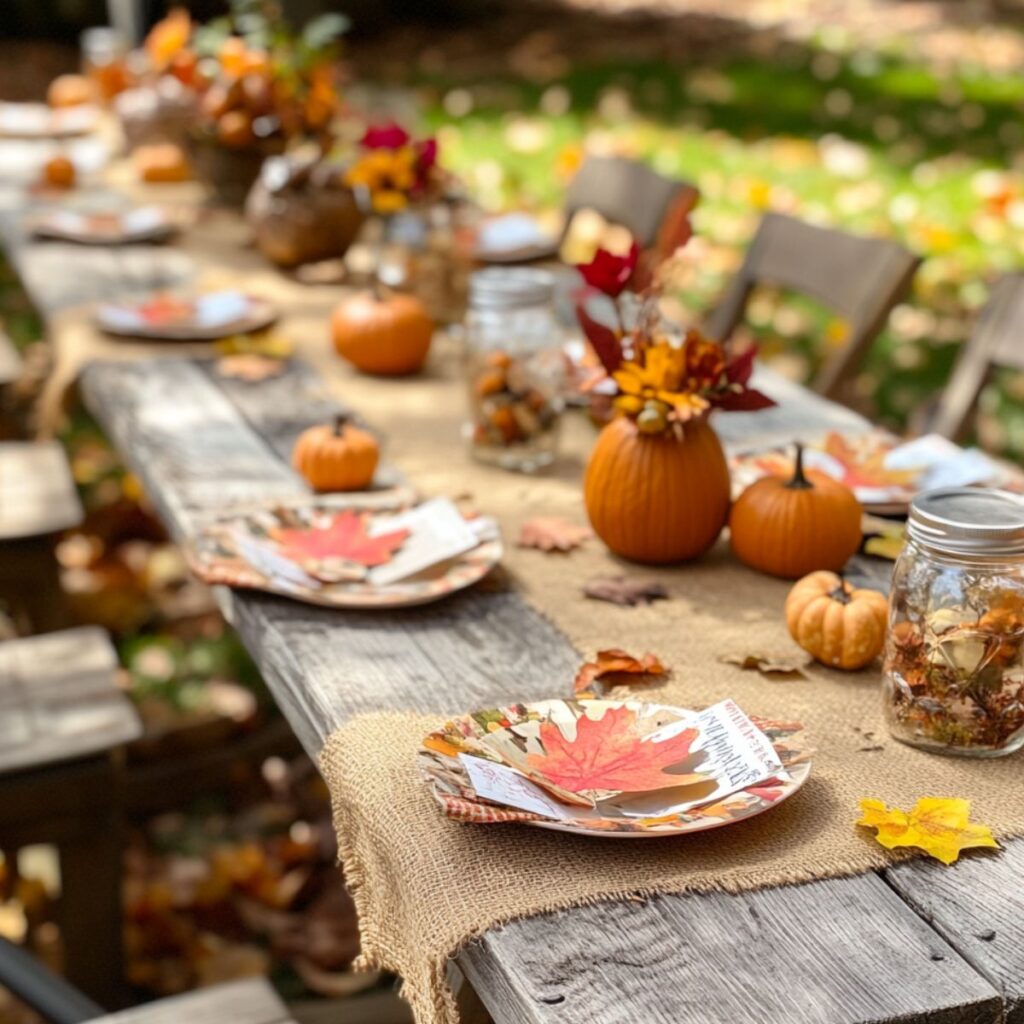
(625, 590)
(773, 668)
(552, 533)
(616, 662)
(258, 343)
(886, 545)
(610, 753)
(343, 540)
(249, 367)
(939, 826)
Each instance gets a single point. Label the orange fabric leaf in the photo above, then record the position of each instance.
(552, 533)
(617, 662)
(609, 753)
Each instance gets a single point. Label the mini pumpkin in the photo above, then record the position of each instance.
(383, 334)
(789, 528)
(59, 172)
(657, 498)
(69, 91)
(336, 457)
(162, 162)
(834, 623)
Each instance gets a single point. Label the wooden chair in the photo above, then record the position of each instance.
(37, 500)
(859, 278)
(63, 720)
(251, 1001)
(996, 341)
(628, 193)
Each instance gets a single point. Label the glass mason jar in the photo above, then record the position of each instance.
(514, 368)
(953, 677)
(104, 61)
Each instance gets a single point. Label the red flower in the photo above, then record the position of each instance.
(609, 273)
(384, 136)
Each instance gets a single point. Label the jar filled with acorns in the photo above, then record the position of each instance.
(953, 678)
(514, 368)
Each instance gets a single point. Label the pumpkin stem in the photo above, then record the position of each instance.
(841, 594)
(341, 421)
(799, 481)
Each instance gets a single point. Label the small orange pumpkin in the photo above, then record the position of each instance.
(161, 162)
(383, 334)
(59, 172)
(336, 457)
(789, 528)
(835, 624)
(69, 91)
(657, 498)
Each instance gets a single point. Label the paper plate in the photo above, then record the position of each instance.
(203, 317)
(514, 238)
(511, 736)
(143, 224)
(240, 551)
(39, 121)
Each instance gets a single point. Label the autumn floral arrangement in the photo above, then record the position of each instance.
(261, 84)
(657, 485)
(393, 171)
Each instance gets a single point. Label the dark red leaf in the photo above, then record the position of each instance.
(740, 367)
(609, 273)
(605, 342)
(745, 401)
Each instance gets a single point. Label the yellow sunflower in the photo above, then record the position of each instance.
(660, 378)
(388, 175)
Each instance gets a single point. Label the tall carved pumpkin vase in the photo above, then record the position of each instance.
(657, 498)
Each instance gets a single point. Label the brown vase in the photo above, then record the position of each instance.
(301, 212)
(229, 172)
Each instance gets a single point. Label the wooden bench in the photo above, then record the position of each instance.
(37, 500)
(62, 720)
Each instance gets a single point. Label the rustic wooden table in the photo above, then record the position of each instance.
(915, 943)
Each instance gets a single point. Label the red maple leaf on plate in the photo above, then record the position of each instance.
(343, 537)
(165, 309)
(609, 753)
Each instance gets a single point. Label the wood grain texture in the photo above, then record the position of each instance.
(978, 904)
(830, 952)
(811, 953)
(37, 493)
(252, 1001)
(59, 699)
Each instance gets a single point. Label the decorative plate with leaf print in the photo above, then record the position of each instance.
(341, 555)
(205, 317)
(629, 769)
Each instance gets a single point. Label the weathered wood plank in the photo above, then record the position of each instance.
(978, 905)
(251, 1001)
(324, 666)
(59, 699)
(846, 951)
(37, 493)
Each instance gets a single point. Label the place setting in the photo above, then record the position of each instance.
(115, 227)
(168, 316)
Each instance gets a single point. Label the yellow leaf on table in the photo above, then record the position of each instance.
(939, 826)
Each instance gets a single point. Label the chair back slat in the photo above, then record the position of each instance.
(997, 341)
(625, 192)
(859, 278)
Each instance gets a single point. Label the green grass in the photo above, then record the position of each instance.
(870, 142)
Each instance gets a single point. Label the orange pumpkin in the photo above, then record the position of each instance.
(59, 172)
(657, 498)
(338, 457)
(69, 91)
(161, 162)
(388, 335)
(789, 528)
(837, 625)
